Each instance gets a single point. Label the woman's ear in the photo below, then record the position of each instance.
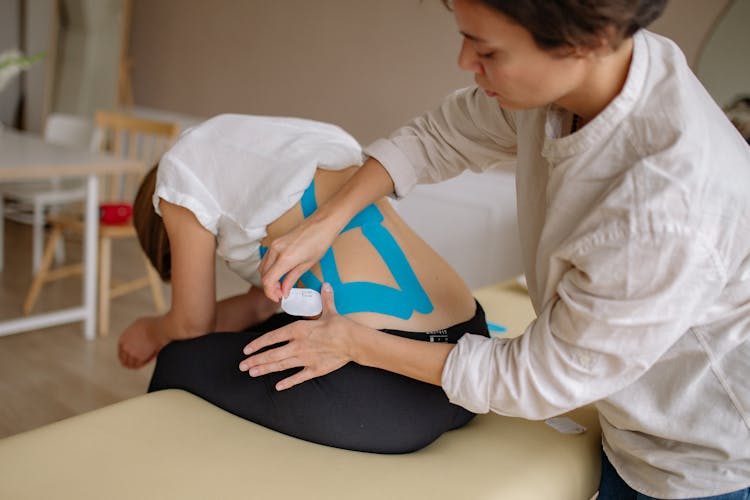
(606, 42)
(600, 45)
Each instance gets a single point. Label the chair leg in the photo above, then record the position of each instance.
(41, 276)
(105, 273)
(60, 249)
(60, 252)
(37, 236)
(156, 290)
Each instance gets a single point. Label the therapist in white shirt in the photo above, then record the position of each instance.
(633, 196)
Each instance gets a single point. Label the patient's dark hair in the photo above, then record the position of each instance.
(152, 235)
(560, 24)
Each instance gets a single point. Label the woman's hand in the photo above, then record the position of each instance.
(298, 250)
(139, 343)
(318, 346)
(292, 254)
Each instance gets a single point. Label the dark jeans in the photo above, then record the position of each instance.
(612, 487)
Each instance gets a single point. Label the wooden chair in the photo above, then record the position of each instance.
(128, 136)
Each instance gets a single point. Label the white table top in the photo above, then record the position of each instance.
(27, 156)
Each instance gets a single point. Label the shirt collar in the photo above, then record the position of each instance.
(557, 147)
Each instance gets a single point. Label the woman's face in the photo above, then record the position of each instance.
(508, 64)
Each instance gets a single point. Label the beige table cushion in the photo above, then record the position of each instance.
(506, 304)
(171, 444)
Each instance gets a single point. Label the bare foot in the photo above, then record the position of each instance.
(137, 344)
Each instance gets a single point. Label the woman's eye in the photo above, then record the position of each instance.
(485, 55)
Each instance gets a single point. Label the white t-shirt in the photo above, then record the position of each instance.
(239, 173)
(635, 233)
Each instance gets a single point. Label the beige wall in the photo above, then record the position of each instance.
(723, 67)
(689, 22)
(87, 56)
(367, 65)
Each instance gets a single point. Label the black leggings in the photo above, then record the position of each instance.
(355, 407)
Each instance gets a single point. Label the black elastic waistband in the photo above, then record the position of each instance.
(476, 325)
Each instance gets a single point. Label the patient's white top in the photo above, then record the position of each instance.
(635, 233)
(239, 173)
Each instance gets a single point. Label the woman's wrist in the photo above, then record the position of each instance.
(331, 219)
(415, 359)
(359, 344)
(369, 184)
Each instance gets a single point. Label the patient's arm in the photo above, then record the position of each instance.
(239, 312)
(193, 309)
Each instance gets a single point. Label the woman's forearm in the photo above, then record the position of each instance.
(370, 183)
(415, 359)
(423, 361)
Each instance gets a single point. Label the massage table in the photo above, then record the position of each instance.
(171, 444)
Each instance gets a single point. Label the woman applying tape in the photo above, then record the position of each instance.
(634, 215)
(231, 185)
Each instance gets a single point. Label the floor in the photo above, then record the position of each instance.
(54, 373)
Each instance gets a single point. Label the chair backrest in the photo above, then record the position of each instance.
(131, 137)
(68, 130)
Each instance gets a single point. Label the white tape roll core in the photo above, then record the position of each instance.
(302, 302)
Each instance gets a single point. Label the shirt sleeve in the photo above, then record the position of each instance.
(623, 301)
(468, 131)
(178, 184)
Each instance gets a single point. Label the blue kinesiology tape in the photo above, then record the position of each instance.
(362, 296)
(494, 327)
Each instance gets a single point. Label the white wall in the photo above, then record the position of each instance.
(471, 221)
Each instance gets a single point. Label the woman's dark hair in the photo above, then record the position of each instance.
(557, 24)
(152, 235)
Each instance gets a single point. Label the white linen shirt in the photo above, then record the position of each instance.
(239, 173)
(635, 233)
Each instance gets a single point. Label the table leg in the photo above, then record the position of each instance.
(90, 256)
(2, 233)
(87, 311)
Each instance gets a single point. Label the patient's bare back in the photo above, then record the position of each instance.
(382, 273)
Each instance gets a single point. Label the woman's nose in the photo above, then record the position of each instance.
(468, 60)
